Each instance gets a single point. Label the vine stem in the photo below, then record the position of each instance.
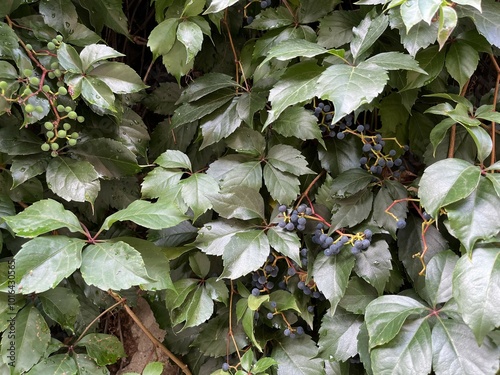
(308, 189)
(150, 336)
(453, 132)
(495, 98)
(235, 54)
(230, 328)
(95, 320)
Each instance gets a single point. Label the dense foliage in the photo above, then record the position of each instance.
(312, 189)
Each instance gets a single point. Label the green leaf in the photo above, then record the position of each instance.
(238, 202)
(14, 141)
(340, 155)
(374, 265)
(367, 33)
(297, 356)
(44, 262)
(109, 13)
(189, 112)
(311, 10)
(486, 19)
(174, 159)
(97, 93)
(438, 132)
(25, 167)
(290, 49)
(475, 287)
(295, 86)
(284, 301)
(385, 316)
(159, 215)
(447, 22)
(32, 336)
(190, 34)
(73, 180)
(246, 316)
(197, 191)
(272, 18)
(119, 77)
(357, 296)
(482, 140)
(59, 14)
(214, 236)
(200, 308)
(438, 276)
(335, 29)
(59, 364)
(104, 349)
(455, 350)
(61, 305)
(350, 182)
(285, 242)
(247, 141)
(331, 275)
(410, 346)
(263, 364)
(113, 266)
(283, 186)
(153, 368)
(348, 87)
(461, 62)
(236, 170)
(220, 124)
(395, 61)
(338, 335)
(206, 84)
(10, 40)
(110, 158)
(288, 159)
(486, 112)
(298, 122)
(432, 61)
(162, 37)
(445, 182)
(415, 11)
(245, 252)
(388, 193)
(353, 210)
(175, 61)
(97, 52)
(218, 5)
(474, 217)
(69, 59)
(42, 217)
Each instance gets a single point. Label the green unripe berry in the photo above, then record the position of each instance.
(55, 41)
(51, 75)
(4, 85)
(48, 125)
(54, 154)
(57, 73)
(60, 108)
(45, 147)
(34, 81)
(80, 119)
(62, 90)
(27, 91)
(29, 108)
(29, 47)
(51, 46)
(59, 38)
(66, 126)
(72, 115)
(54, 146)
(72, 142)
(68, 109)
(39, 109)
(46, 88)
(74, 135)
(50, 134)
(54, 65)
(27, 72)
(61, 134)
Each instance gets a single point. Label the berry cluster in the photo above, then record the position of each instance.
(359, 241)
(324, 113)
(375, 160)
(294, 219)
(263, 5)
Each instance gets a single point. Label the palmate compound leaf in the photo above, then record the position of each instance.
(32, 336)
(245, 252)
(237, 170)
(348, 87)
(331, 274)
(476, 216)
(197, 190)
(385, 316)
(297, 356)
(42, 217)
(104, 349)
(214, 236)
(445, 182)
(298, 122)
(43, 262)
(115, 266)
(476, 287)
(59, 364)
(375, 265)
(288, 159)
(158, 215)
(438, 276)
(292, 48)
(367, 33)
(409, 352)
(61, 305)
(285, 242)
(238, 202)
(283, 186)
(455, 350)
